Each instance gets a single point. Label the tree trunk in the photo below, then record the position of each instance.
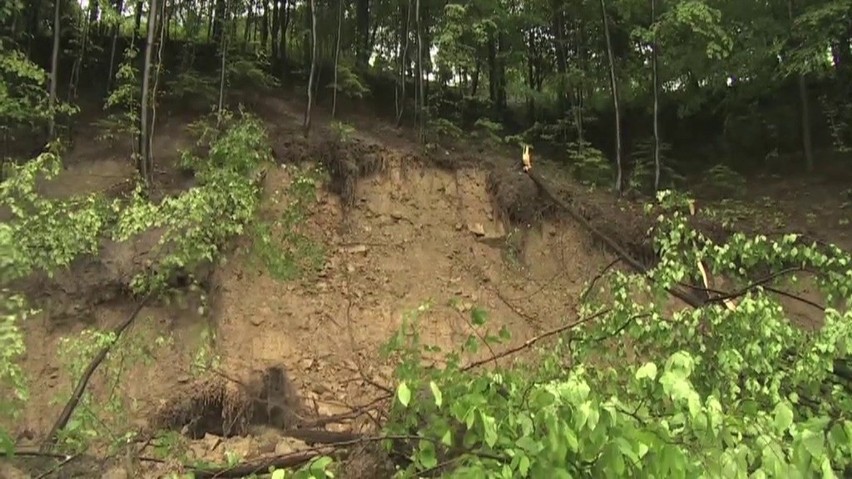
(276, 28)
(143, 164)
(224, 47)
(307, 125)
(403, 64)
(264, 25)
(336, 57)
(115, 29)
(615, 102)
(249, 22)
(656, 86)
(54, 69)
(807, 141)
(421, 96)
(137, 23)
(284, 13)
(362, 18)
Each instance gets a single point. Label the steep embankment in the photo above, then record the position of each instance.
(290, 325)
(311, 293)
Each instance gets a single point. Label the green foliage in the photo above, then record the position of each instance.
(589, 165)
(344, 132)
(249, 72)
(488, 130)
(710, 392)
(724, 180)
(197, 223)
(102, 417)
(44, 234)
(281, 246)
(192, 86)
(123, 103)
(642, 176)
(349, 84)
(441, 128)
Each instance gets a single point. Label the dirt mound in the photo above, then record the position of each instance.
(516, 197)
(224, 406)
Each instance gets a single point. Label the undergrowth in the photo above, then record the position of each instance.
(727, 390)
(281, 245)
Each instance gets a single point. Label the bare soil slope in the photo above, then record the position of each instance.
(406, 233)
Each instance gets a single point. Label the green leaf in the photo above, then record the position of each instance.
(427, 454)
(814, 443)
(447, 438)
(524, 465)
(279, 474)
(436, 392)
(783, 417)
(648, 370)
(403, 394)
(478, 316)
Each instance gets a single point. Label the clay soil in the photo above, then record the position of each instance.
(458, 228)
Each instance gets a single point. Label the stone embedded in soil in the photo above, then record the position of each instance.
(477, 229)
(289, 445)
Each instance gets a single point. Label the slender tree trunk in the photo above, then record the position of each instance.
(164, 28)
(656, 86)
(420, 95)
(224, 48)
(362, 19)
(144, 142)
(403, 64)
(276, 27)
(54, 69)
(264, 25)
(285, 13)
(307, 125)
(807, 141)
(115, 31)
(137, 23)
(615, 102)
(249, 21)
(336, 58)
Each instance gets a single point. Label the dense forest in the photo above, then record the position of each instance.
(692, 360)
(746, 85)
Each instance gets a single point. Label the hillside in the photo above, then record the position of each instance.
(417, 231)
(401, 239)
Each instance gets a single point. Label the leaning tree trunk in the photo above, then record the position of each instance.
(144, 162)
(336, 58)
(307, 124)
(615, 102)
(54, 70)
(656, 86)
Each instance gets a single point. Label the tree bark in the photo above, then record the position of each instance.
(224, 47)
(307, 125)
(54, 69)
(421, 101)
(805, 119)
(115, 29)
(656, 86)
(144, 143)
(615, 103)
(336, 58)
(362, 18)
(403, 64)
